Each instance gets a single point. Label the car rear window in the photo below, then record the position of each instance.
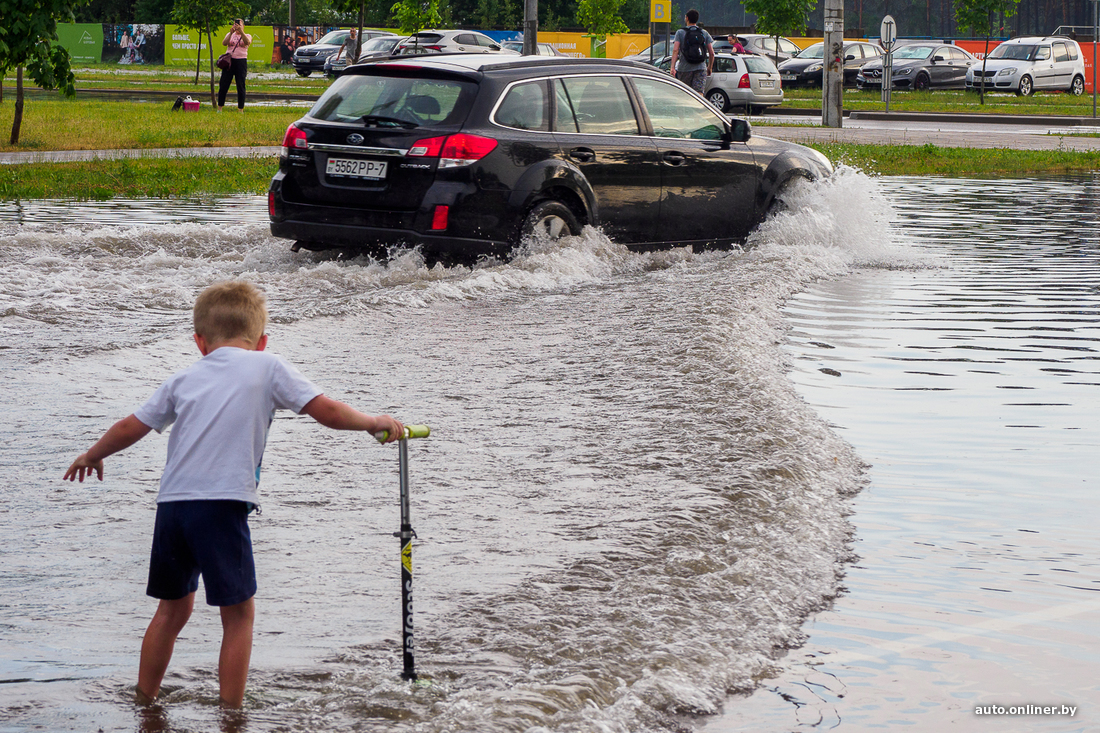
(758, 65)
(404, 101)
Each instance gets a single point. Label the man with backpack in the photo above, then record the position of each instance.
(692, 53)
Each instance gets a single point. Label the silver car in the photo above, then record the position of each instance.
(449, 42)
(744, 81)
(1024, 65)
(380, 44)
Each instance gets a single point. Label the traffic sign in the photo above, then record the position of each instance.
(660, 11)
(889, 32)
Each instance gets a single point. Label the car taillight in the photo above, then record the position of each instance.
(744, 83)
(453, 151)
(295, 137)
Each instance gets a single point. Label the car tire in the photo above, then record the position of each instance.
(922, 83)
(1026, 88)
(719, 99)
(303, 72)
(550, 219)
(1077, 86)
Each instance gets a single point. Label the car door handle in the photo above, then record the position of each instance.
(674, 158)
(584, 155)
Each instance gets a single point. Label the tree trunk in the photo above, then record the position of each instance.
(198, 59)
(210, 45)
(359, 37)
(17, 121)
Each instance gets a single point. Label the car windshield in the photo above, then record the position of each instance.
(333, 38)
(815, 51)
(914, 52)
(384, 101)
(377, 45)
(1013, 51)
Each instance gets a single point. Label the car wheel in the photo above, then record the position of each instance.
(1025, 89)
(550, 220)
(304, 72)
(719, 99)
(1077, 88)
(922, 82)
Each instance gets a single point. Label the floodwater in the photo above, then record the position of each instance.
(849, 466)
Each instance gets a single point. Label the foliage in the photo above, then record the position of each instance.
(780, 17)
(977, 17)
(414, 15)
(601, 17)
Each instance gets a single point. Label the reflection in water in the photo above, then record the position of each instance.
(625, 511)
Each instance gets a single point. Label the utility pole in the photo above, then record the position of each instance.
(530, 27)
(832, 84)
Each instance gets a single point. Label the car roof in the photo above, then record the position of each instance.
(1036, 39)
(481, 62)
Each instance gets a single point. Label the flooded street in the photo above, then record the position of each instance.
(648, 479)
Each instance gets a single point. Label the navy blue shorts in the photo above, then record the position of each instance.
(207, 538)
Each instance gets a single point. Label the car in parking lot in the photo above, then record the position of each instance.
(376, 47)
(920, 66)
(740, 81)
(652, 54)
(806, 69)
(541, 49)
(469, 155)
(1031, 64)
(778, 50)
(312, 57)
(450, 42)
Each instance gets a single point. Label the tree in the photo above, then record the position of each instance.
(413, 15)
(28, 38)
(977, 17)
(204, 16)
(600, 19)
(780, 17)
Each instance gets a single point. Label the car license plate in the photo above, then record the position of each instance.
(767, 84)
(351, 168)
(788, 77)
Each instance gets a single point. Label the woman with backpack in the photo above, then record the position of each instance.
(692, 53)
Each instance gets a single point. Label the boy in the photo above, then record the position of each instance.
(222, 407)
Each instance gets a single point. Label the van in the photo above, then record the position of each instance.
(1026, 65)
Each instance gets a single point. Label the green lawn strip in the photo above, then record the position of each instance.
(136, 178)
(949, 101)
(931, 160)
(111, 125)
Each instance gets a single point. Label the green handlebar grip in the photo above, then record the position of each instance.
(411, 431)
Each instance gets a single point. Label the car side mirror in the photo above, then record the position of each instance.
(850, 57)
(495, 47)
(937, 58)
(739, 131)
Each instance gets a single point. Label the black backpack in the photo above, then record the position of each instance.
(694, 47)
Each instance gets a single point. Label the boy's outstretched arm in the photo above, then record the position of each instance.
(338, 416)
(120, 436)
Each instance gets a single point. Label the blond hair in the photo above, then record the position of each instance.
(230, 310)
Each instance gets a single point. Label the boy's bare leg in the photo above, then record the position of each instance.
(236, 651)
(159, 641)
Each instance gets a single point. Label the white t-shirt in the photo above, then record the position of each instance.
(222, 407)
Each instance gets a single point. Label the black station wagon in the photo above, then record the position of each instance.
(466, 155)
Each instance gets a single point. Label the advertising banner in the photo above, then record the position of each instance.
(182, 46)
(83, 41)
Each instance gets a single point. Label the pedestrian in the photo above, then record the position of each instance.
(350, 48)
(738, 46)
(692, 53)
(237, 41)
(222, 408)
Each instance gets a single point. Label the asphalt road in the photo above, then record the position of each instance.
(874, 128)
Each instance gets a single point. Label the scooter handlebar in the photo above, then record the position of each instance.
(411, 431)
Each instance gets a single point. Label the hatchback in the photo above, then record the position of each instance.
(541, 49)
(450, 42)
(740, 81)
(1024, 65)
(806, 69)
(469, 155)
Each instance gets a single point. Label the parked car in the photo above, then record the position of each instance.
(806, 69)
(310, 58)
(652, 54)
(763, 45)
(743, 81)
(379, 45)
(468, 155)
(920, 66)
(541, 49)
(451, 42)
(1024, 65)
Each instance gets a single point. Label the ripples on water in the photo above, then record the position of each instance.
(625, 510)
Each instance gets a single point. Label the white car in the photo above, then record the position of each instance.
(432, 41)
(1025, 65)
(740, 81)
